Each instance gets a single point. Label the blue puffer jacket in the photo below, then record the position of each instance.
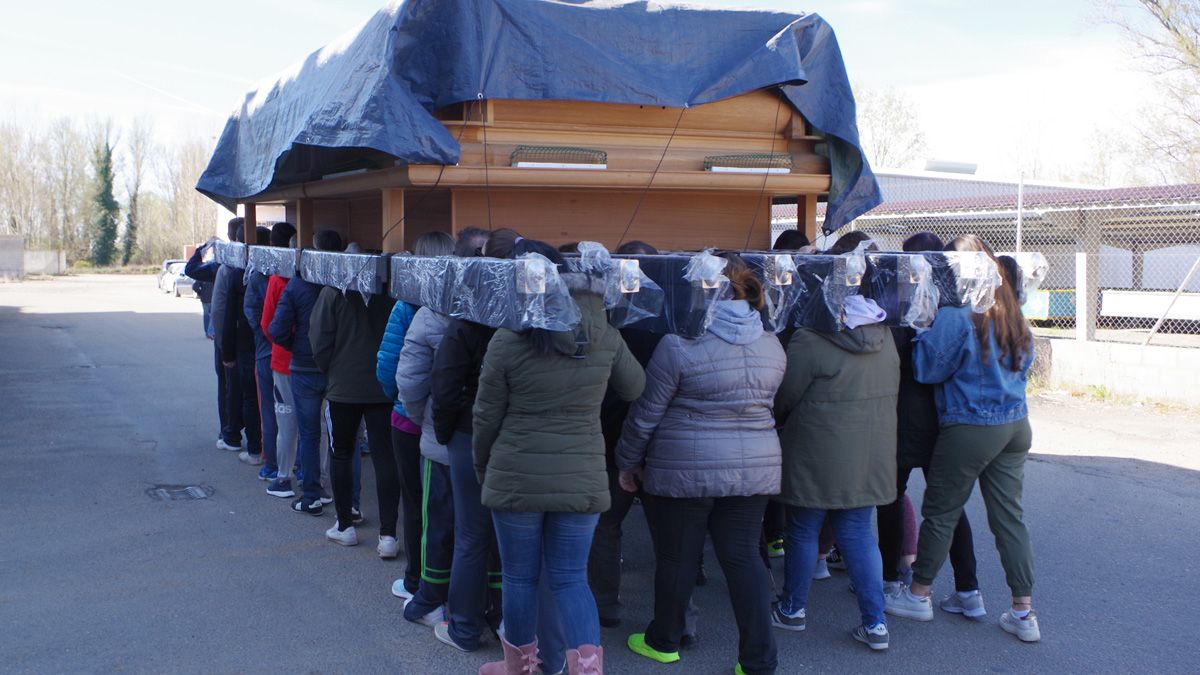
(256, 293)
(970, 389)
(389, 352)
(289, 326)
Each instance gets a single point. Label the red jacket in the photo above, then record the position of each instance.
(281, 359)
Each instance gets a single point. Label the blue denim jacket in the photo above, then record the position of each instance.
(970, 389)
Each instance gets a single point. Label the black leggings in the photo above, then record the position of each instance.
(345, 418)
(891, 540)
(735, 524)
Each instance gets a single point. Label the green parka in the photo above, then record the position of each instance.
(537, 439)
(837, 406)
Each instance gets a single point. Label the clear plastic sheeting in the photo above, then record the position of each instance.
(706, 273)
(230, 253)
(1034, 268)
(274, 261)
(845, 279)
(629, 294)
(782, 287)
(364, 273)
(975, 278)
(517, 294)
(903, 285)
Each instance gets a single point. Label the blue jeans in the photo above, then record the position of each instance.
(563, 541)
(856, 542)
(308, 390)
(473, 543)
(266, 411)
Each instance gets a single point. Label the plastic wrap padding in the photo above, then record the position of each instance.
(965, 278)
(274, 261)
(1034, 268)
(706, 273)
(230, 253)
(516, 294)
(903, 285)
(629, 294)
(364, 273)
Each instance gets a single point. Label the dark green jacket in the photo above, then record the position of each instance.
(837, 406)
(537, 439)
(345, 334)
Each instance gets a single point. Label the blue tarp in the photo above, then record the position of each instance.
(366, 101)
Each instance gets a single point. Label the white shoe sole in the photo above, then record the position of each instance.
(1027, 637)
(403, 593)
(341, 540)
(909, 614)
(873, 645)
(281, 493)
(969, 613)
(819, 577)
(387, 555)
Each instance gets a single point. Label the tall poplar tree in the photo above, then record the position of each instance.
(106, 210)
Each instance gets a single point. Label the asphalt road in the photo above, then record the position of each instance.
(108, 391)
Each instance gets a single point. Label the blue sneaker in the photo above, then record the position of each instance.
(281, 487)
(265, 475)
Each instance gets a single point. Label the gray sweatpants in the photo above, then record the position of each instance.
(285, 416)
(995, 455)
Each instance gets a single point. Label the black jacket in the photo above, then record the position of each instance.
(455, 378)
(916, 413)
(237, 336)
(614, 410)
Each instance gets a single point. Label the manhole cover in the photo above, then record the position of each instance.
(174, 493)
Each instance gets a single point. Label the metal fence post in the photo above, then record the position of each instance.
(1084, 329)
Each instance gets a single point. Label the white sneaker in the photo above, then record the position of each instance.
(903, 603)
(822, 570)
(252, 460)
(1026, 629)
(346, 537)
(400, 591)
(970, 607)
(431, 619)
(388, 547)
(222, 445)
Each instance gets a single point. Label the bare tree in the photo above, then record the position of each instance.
(66, 160)
(192, 215)
(138, 146)
(889, 127)
(1165, 35)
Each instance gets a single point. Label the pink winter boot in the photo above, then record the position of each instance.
(587, 660)
(517, 660)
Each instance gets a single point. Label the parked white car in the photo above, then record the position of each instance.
(171, 279)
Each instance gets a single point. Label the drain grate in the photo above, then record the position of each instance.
(174, 493)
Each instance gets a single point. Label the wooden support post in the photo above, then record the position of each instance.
(250, 214)
(806, 216)
(305, 223)
(393, 219)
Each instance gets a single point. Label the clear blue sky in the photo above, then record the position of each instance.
(187, 65)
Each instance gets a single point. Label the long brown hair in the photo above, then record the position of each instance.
(742, 281)
(1004, 319)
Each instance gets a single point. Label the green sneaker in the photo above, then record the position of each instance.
(737, 670)
(637, 645)
(775, 548)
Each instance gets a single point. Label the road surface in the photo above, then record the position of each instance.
(108, 391)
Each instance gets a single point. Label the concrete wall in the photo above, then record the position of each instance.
(1162, 374)
(45, 262)
(12, 256)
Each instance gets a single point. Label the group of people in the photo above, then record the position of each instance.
(505, 462)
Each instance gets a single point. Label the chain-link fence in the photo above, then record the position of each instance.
(1124, 262)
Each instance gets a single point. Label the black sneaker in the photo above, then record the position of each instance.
(356, 516)
(312, 508)
(779, 619)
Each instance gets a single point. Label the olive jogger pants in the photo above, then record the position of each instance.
(995, 455)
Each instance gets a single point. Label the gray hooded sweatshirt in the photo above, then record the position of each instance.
(704, 426)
